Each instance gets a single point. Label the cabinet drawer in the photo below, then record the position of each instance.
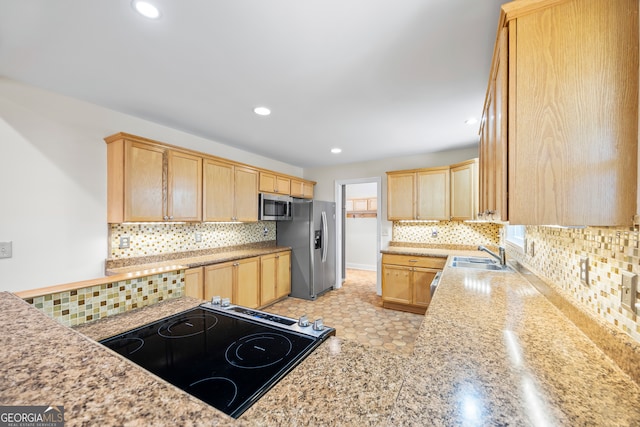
(414, 261)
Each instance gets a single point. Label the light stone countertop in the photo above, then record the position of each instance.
(492, 350)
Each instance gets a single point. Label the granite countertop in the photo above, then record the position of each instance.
(492, 350)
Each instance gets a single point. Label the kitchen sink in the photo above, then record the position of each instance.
(479, 263)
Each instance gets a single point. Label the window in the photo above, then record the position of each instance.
(516, 234)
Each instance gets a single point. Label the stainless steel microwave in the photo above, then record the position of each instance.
(274, 207)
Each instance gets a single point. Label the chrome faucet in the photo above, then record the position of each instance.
(502, 257)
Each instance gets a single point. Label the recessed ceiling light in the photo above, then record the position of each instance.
(471, 121)
(262, 111)
(336, 150)
(146, 9)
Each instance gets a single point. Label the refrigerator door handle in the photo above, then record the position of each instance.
(325, 231)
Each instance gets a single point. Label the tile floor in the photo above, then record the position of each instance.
(356, 312)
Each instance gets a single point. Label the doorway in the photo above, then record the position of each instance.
(357, 236)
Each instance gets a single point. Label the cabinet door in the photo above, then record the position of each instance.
(246, 194)
(144, 182)
(359, 204)
(268, 278)
(184, 198)
(218, 280)
(283, 185)
(464, 190)
(573, 145)
(283, 284)
(247, 282)
(396, 284)
(433, 194)
(400, 196)
(297, 188)
(194, 282)
(267, 182)
(422, 278)
(218, 191)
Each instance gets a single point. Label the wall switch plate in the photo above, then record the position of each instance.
(532, 249)
(198, 236)
(584, 270)
(124, 242)
(629, 289)
(6, 250)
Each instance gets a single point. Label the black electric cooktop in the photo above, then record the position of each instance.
(226, 356)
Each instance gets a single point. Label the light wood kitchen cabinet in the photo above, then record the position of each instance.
(442, 193)
(275, 274)
(230, 192)
(302, 189)
(194, 282)
(433, 194)
(272, 183)
(464, 190)
(401, 196)
(406, 281)
(147, 182)
(567, 79)
(237, 280)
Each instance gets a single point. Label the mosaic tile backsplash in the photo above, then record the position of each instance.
(447, 232)
(554, 254)
(154, 239)
(75, 307)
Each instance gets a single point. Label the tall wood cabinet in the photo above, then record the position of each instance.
(563, 100)
(147, 182)
(230, 192)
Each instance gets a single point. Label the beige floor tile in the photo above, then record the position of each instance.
(356, 312)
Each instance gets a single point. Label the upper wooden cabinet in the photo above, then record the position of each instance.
(150, 181)
(146, 182)
(301, 189)
(464, 190)
(442, 193)
(272, 183)
(230, 192)
(563, 100)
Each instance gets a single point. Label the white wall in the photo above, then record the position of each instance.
(53, 182)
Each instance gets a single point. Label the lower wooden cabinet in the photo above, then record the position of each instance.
(275, 274)
(251, 282)
(194, 282)
(406, 281)
(237, 280)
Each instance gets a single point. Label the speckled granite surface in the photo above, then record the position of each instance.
(492, 350)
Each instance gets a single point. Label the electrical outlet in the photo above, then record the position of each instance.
(198, 236)
(434, 232)
(629, 289)
(124, 242)
(6, 250)
(584, 270)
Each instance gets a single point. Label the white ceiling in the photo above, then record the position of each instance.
(377, 78)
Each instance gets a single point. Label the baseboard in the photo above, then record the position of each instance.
(362, 267)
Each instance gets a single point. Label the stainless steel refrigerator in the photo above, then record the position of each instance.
(311, 234)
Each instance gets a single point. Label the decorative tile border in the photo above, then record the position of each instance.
(447, 232)
(155, 239)
(83, 305)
